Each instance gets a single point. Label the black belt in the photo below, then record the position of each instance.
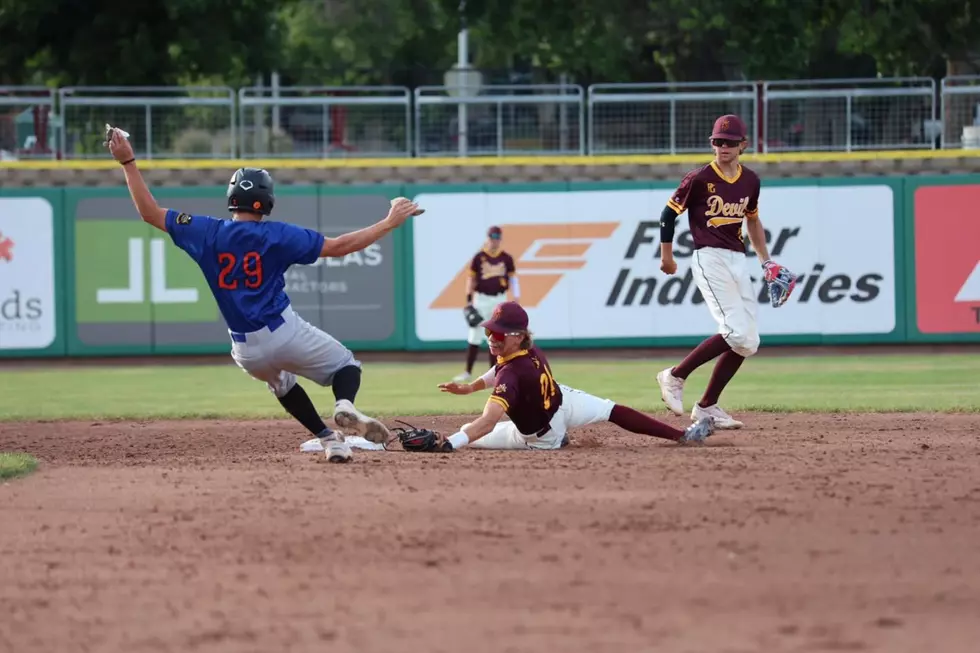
(274, 324)
(547, 427)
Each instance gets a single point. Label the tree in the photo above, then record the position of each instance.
(122, 42)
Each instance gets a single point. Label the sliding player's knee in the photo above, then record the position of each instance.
(281, 387)
(744, 344)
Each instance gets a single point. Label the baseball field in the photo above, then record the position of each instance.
(171, 510)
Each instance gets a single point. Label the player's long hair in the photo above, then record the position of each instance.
(528, 340)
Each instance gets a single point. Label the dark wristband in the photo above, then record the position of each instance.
(127, 162)
(469, 298)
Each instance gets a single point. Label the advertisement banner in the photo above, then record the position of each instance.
(28, 310)
(947, 259)
(588, 262)
(135, 291)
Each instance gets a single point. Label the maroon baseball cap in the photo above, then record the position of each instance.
(507, 317)
(729, 126)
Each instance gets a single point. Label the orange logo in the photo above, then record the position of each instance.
(6, 248)
(542, 254)
(725, 124)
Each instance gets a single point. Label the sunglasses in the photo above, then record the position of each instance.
(493, 335)
(725, 142)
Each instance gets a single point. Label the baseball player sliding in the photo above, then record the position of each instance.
(491, 274)
(244, 261)
(541, 411)
(721, 198)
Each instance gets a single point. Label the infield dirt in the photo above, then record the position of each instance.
(798, 533)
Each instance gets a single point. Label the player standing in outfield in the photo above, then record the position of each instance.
(721, 198)
(541, 411)
(244, 261)
(491, 274)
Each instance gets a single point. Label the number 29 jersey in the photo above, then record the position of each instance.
(526, 389)
(245, 262)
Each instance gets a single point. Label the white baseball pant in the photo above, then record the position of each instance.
(484, 304)
(723, 277)
(296, 347)
(577, 409)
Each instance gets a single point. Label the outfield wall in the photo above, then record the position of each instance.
(883, 259)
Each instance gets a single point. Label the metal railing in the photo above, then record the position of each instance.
(26, 116)
(163, 122)
(665, 118)
(493, 120)
(311, 121)
(849, 114)
(500, 120)
(960, 112)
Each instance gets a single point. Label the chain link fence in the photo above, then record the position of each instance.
(163, 122)
(843, 115)
(960, 113)
(850, 114)
(512, 120)
(28, 126)
(322, 122)
(665, 118)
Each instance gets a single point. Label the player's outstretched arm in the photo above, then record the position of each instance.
(492, 413)
(149, 210)
(485, 381)
(401, 209)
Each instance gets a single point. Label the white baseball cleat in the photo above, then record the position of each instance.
(671, 391)
(698, 431)
(348, 417)
(462, 377)
(722, 419)
(338, 452)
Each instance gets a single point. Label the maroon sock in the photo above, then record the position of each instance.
(637, 422)
(710, 348)
(724, 370)
(471, 357)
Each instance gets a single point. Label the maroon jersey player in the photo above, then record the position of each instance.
(492, 273)
(721, 198)
(539, 410)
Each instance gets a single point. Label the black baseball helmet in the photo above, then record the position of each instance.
(251, 189)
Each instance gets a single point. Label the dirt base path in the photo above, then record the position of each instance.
(800, 533)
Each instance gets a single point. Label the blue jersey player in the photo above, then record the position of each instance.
(244, 260)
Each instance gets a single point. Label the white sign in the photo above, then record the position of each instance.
(588, 262)
(27, 306)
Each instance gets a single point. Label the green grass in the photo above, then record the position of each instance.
(837, 384)
(16, 464)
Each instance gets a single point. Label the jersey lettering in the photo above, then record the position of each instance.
(251, 267)
(547, 387)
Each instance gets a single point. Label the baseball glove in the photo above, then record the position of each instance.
(780, 281)
(425, 440)
(473, 317)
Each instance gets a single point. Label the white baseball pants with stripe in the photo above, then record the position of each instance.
(723, 278)
(295, 348)
(577, 409)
